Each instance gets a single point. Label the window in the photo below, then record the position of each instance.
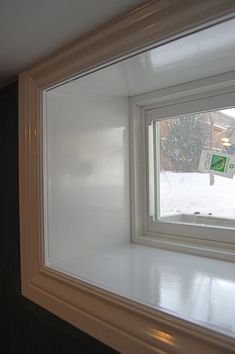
(187, 196)
(193, 167)
(91, 187)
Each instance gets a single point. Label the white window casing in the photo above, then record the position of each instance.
(125, 323)
(202, 95)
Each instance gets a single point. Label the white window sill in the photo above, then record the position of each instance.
(196, 289)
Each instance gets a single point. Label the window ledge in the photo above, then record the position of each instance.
(188, 308)
(195, 289)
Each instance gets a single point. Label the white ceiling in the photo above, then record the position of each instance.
(30, 30)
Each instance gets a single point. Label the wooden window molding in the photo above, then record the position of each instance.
(127, 326)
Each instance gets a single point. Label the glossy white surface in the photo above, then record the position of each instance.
(190, 58)
(197, 289)
(86, 174)
(87, 180)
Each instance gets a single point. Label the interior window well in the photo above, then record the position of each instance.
(127, 163)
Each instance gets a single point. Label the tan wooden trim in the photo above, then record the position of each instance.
(152, 23)
(122, 324)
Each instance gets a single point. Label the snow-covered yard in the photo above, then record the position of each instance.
(192, 194)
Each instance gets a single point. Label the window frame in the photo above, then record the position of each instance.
(206, 104)
(106, 316)
(201, 95)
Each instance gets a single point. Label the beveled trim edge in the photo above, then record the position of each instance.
(134, 326)
(154, 21)
(122, 323)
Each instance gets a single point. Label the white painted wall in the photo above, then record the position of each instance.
(86, 174)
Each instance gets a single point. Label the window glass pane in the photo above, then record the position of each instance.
(195, 158)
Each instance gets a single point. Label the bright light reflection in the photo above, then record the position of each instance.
(194, 45)
(229, 112)
(162, 336)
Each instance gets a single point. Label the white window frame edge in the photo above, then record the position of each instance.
(144, 230)
(120, 323)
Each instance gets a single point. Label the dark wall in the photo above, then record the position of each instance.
(27, 328)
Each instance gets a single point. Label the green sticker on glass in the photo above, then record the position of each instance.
(218, 163)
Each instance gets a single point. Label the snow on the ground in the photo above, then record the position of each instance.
(189, 193)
